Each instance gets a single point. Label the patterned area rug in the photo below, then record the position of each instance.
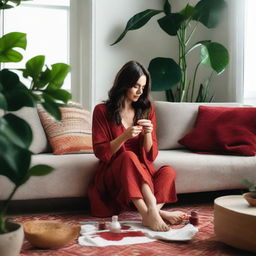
(204, 243)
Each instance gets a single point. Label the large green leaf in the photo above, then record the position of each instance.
(19, 98)
(167, 7)
(34, 67)
(23, 161)
(40, 170)
(137, 21)
(171, 23)
(188, 12)
(215, 56)
(59, 94)
(198, 44)
(9, 80)
(51, 107)
(14, 161)
(58, 74)
(10, 41)
(209, 12)
(16, 94)
(3, 102)
(164, 72)
(17, 131)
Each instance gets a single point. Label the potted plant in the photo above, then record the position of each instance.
(172, 77)
(250, 197)
(15, 133)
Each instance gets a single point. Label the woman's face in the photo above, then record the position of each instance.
(134, 92)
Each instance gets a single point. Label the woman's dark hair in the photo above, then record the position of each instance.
(126, 78)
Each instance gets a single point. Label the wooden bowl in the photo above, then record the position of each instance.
(249, 198)
(50, 234)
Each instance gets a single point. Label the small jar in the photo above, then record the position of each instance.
(102, 226)
(193, 219)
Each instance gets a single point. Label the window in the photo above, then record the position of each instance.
(46, 23)
(250, 54)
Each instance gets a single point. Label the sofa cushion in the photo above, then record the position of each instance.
(174, 120)
(39, 143)
(70, 178)
(73, 134)
(223, 130)
(206, 172)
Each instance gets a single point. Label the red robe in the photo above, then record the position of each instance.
(120, 175)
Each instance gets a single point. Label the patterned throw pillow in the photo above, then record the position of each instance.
(73, 134)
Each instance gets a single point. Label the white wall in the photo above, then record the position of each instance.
(109, 18)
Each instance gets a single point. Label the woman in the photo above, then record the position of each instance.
(124, 139)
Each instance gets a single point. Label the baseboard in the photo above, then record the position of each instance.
(81, 204)
(50, 205)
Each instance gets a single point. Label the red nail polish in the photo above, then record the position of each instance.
(193, 219)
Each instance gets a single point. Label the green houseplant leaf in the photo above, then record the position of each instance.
(40, 170)
(215, 56)
(19, 98)
(167, 7)
(188, 12)
(16, 94)
(165, 73)
(57, 75)
(10, 41)
(14, 161)
(34, 67)
(17, 130)
(171, 23)
(137, 21)
(59, 94)
(209, 12)
(51, 107)
(3, 102)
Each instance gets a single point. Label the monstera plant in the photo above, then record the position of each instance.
(172, 77)
(15, 133)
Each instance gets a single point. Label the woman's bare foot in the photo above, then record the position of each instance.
(174, 217)
(154, 221)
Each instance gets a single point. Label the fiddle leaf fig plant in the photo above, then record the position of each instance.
(171, 76)
(15, 133)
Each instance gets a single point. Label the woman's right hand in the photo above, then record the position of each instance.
(132, 131)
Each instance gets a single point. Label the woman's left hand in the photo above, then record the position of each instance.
(146, 124)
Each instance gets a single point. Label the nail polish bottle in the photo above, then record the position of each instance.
(115, 226)
(193, 219)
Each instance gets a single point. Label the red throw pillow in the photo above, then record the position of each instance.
(223, 130)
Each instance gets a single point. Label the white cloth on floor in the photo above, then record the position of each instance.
(185, 233)
(91, 237)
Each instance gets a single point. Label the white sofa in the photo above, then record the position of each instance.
(195, 172)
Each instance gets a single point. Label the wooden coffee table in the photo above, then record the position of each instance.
(235, 222)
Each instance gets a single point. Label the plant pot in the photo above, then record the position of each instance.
(11, 242)
(250, 198)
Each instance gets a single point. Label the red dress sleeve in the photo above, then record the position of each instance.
(153, 152)
(101, 134)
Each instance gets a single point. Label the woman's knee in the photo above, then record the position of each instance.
(168, 172)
